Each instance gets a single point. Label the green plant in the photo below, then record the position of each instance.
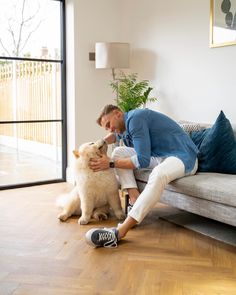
(131, 93)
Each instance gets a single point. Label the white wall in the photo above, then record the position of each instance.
(170, 42)
(88, 90)
(170, 46)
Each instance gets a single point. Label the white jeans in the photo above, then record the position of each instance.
(164, 171)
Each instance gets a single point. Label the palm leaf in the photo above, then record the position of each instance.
(131, 93)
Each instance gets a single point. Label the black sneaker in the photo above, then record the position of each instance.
(102, 237)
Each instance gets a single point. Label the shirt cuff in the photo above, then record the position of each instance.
(134, 160)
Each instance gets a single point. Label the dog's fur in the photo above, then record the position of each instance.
(94, 192)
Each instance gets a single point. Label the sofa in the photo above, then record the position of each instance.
(209, 194)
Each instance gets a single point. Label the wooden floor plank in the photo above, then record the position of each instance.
(41, 255)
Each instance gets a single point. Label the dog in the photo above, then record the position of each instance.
(94, 192)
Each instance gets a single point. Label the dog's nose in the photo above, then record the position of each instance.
(101, 143)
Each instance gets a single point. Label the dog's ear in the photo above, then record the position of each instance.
(76, 153)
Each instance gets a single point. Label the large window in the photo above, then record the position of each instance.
(32, 92)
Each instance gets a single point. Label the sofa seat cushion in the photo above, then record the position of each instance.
(215, 187)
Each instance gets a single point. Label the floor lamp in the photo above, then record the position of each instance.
(112, 55)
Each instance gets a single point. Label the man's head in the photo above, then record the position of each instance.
(112, 119)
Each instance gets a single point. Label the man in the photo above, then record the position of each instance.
(152, 140)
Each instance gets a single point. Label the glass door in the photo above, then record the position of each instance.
(32, 92)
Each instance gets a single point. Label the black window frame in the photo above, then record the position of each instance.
(63, 119)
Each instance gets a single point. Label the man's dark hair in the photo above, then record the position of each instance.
(105, 111)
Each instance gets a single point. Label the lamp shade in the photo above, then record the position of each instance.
(111, 55)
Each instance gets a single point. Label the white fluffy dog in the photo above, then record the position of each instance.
(95, 192)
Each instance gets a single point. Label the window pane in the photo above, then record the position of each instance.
(30, 90)
(30, 152)
(30, 28)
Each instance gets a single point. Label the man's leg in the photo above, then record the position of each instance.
(126, 176)
(171, 168)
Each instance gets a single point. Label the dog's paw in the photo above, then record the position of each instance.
(63, 216)
(83, 221)
(100, 216)
(120, 215)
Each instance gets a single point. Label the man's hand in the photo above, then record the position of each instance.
(98, 164)
(110, 138)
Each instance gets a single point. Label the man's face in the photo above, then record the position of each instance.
(114, 122)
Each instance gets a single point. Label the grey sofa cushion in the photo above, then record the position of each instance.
(215, 187)
(192, 126)
(142, 174)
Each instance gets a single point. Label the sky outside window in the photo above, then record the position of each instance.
(32, 27)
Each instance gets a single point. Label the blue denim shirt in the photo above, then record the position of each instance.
(153, 134)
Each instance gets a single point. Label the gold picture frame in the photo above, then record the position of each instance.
(222, 23)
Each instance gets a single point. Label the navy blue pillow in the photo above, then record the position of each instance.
(217, 147)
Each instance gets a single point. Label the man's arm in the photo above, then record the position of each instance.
(103, 163)
(110, 138)
(139, 131)
(124, 163)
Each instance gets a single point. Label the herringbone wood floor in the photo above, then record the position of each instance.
(40, 255)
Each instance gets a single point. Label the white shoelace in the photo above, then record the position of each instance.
(110, 237)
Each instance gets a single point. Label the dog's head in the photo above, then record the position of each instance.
(91, 149)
